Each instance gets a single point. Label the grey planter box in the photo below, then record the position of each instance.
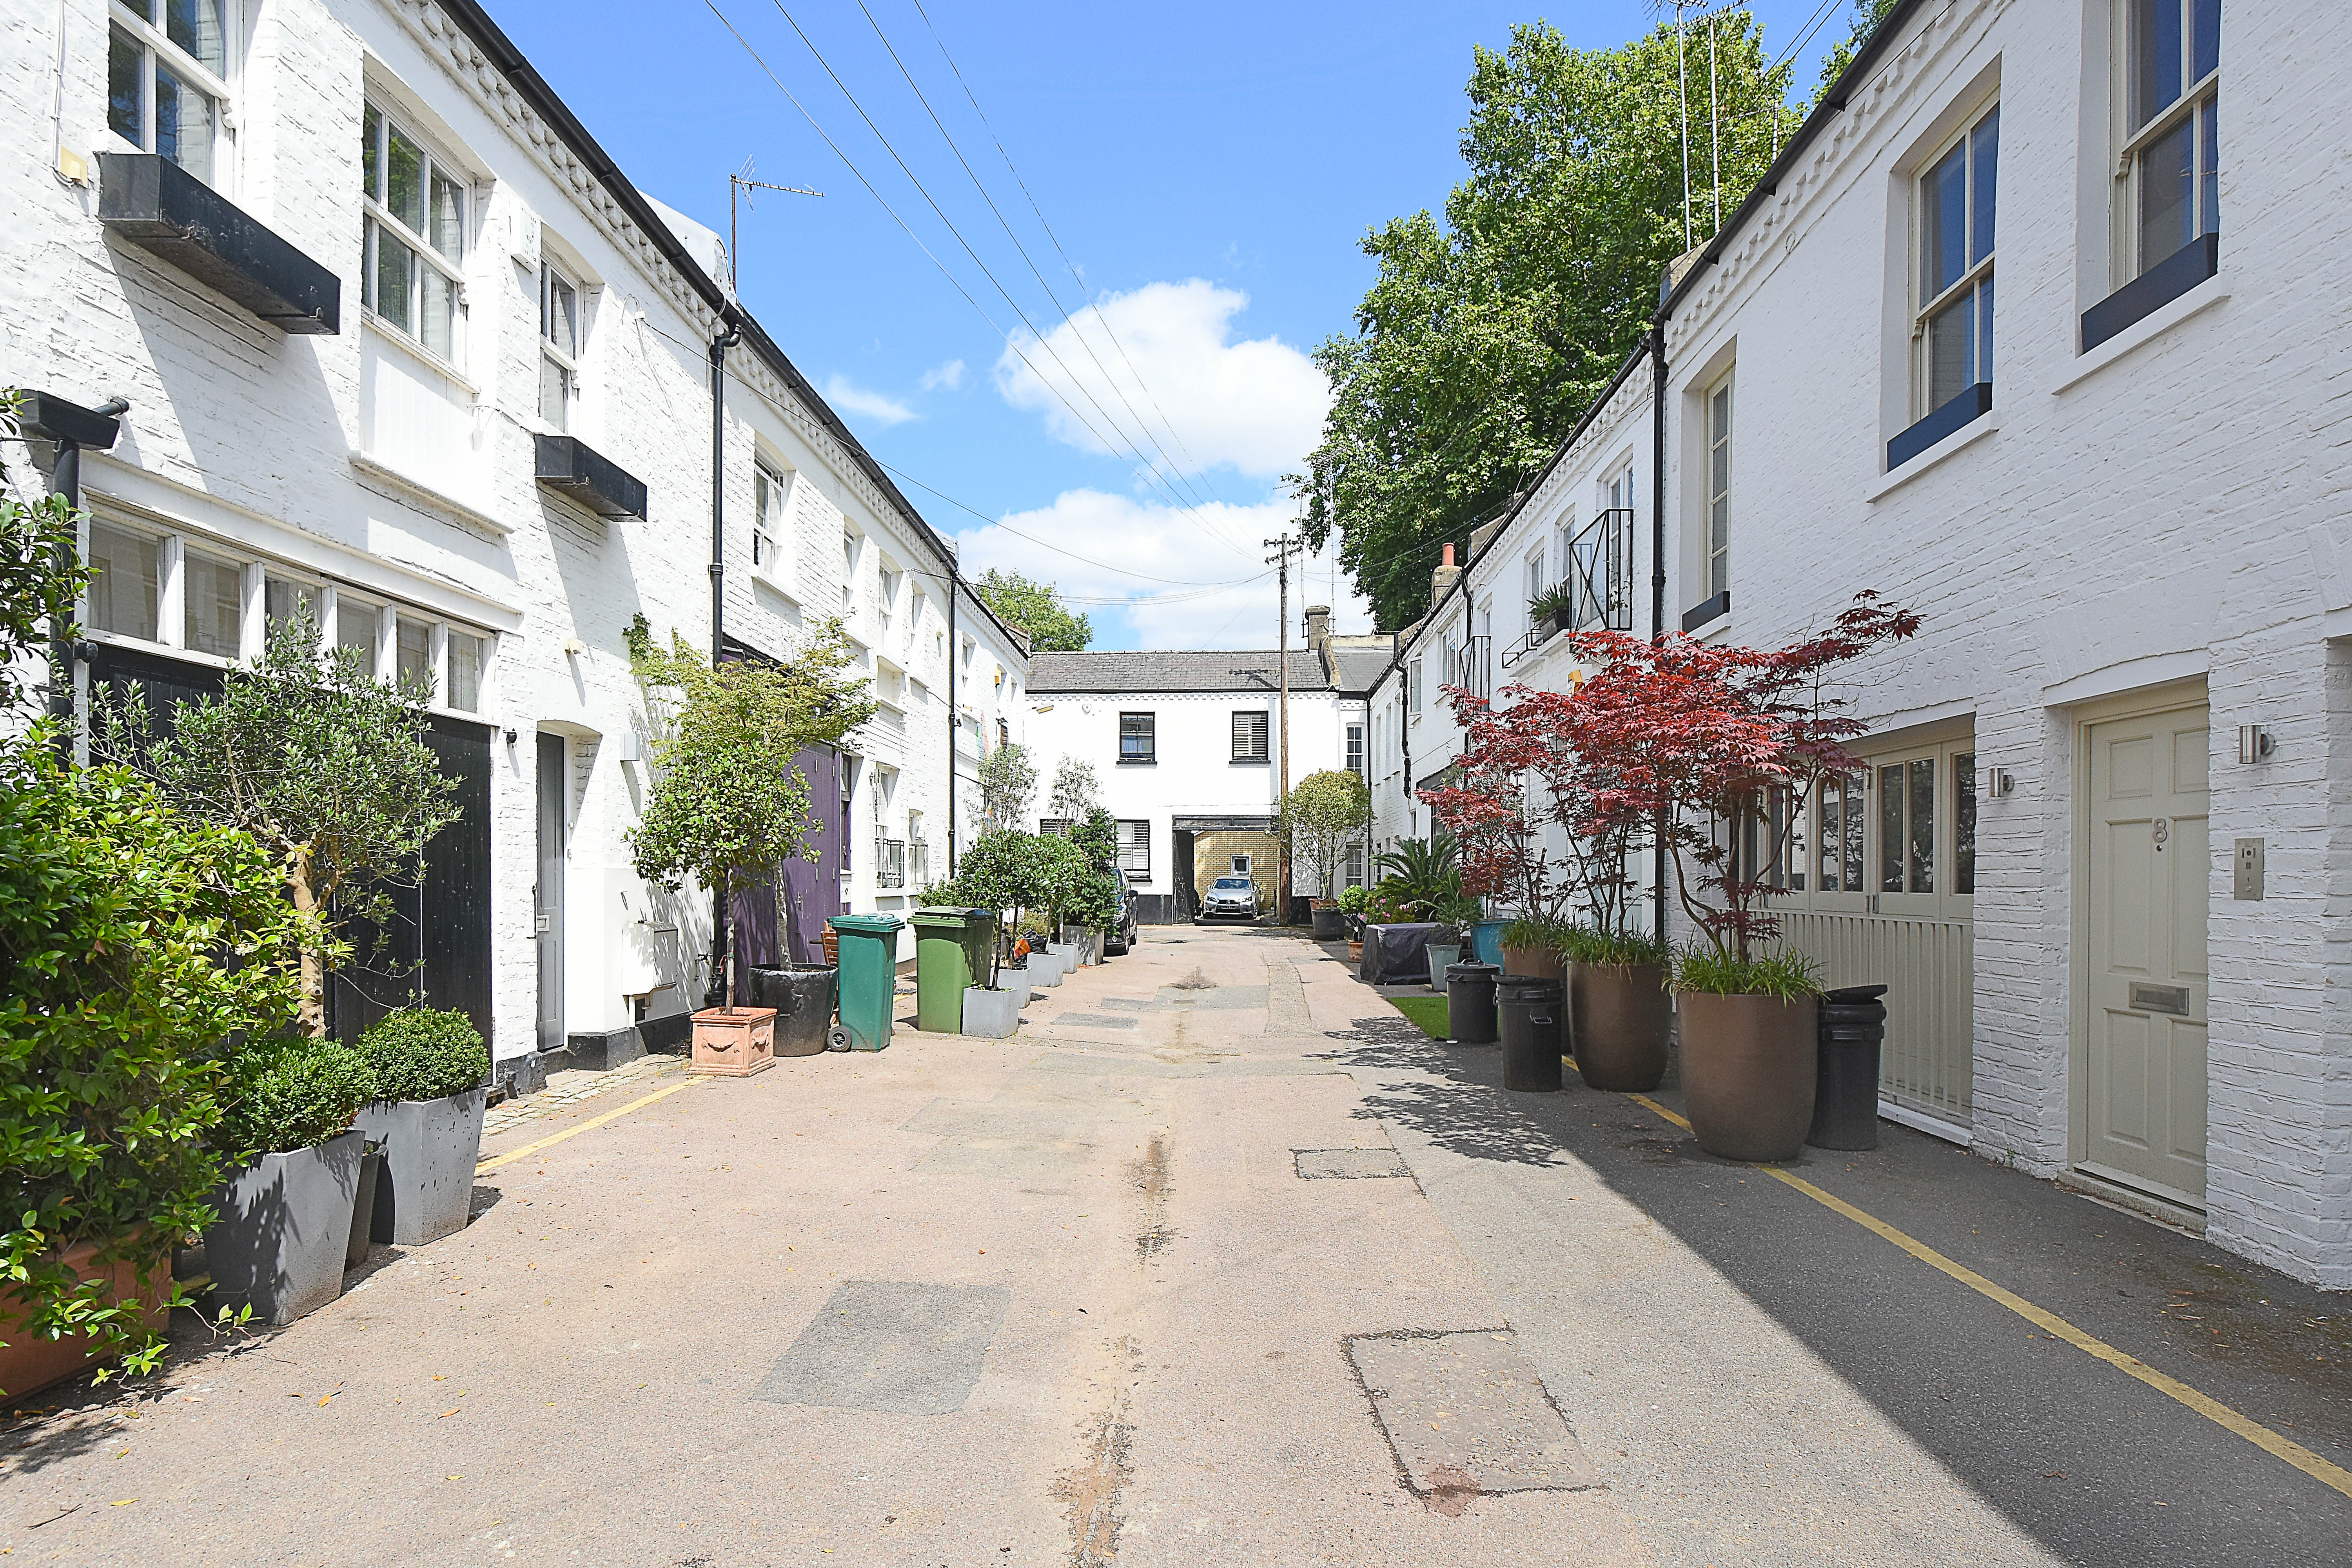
(429, 1148)
(284, 1228)
(993, 1015)
(1087, 942)
(1047, 968)
(1022, 983)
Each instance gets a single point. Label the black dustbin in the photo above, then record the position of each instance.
(802, 994)
(1530, 1010)
(1470, 1003)
(1845, 1093)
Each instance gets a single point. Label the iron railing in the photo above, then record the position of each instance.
(1472, 668)
(890, 862)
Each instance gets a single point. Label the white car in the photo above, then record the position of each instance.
(1229, 898)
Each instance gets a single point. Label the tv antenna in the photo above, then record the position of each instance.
(742, 183)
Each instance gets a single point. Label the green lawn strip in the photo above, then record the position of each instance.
(1427, 1012)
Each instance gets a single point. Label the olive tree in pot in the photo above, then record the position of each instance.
(1321, 816)
(1722, 746)
(727, 805)
(132, 936)
(430, 1072)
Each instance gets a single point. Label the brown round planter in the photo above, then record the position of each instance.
(1536, 962)
(1620, 1015)
(1749, 1067)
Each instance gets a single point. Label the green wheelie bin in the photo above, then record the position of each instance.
(943, 967)
(869, 978)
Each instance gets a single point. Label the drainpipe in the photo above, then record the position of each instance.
(1658, 578)
(722, 971)
(65, 479)
(955, 714)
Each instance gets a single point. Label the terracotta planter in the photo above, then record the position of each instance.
(1355, 950)
(736, 1044)
(1620, 1015)
(1535, 963)
(831, 948)
(27, 1363)
(1749, 1065)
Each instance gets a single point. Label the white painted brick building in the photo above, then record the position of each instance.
(455, 391)
(2123, 526)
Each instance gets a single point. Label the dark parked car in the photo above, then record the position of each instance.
(1229, 898)
(1121, 935)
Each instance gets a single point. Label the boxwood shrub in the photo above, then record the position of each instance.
(425, 1053)
(292, 1091)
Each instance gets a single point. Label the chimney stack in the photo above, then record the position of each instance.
(1319, 626)
(1443, 578)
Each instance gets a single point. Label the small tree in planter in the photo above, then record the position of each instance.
(728, 806)
(1076, 791)
(323, 765)
(430, 1069)
(130, 937)
(1321, 815)
(1008, 784)
(1724, 746)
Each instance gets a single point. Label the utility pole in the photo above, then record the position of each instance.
(1284, 545)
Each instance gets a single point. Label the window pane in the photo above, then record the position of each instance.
(1984, 328)
(465, 672)
(1890, 829)
(1857, 826)
(1833, 831)
(122, 593)
(2165, 213)
(438, 328)
(396, 281)
(1984, 167)
(2208, 159)
(183, 125)
(282, 601)
(555, 394)
(195, 27)
(215, 605)
(1791, 863)
(125, 68)
(1951, 351)
(1944, 223)
(1964, 822)
(1923, 825)
(371, 167)
(415, 650)
(2155, 58)
(356, 625)
(2205, 35)
(449, 235)
(403, 193)
(559, 316)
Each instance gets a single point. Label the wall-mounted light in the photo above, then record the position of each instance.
(633, 750)
(1999, 782)
(2255, 743)
(574, 648)
(511, 737)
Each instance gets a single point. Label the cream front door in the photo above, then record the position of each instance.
(2144, 1086)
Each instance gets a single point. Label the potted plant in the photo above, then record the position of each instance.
(128, 928)
(283, 1222)
(1533, 947)
(727, 805)
(1550, 611)
(1320, 816)
(1621, 1013)
(1348, 914)
(997, 874)
(431, 1074)
(1722, 745)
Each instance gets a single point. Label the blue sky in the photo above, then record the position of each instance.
(1208, 169)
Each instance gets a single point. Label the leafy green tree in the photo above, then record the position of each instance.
(1076, 791)
(1008, 787)
(1867, 15)
(326, 767)
(133, 939)
(1324, 813)
(1036, 609)
(727, 804)
(1485, 337)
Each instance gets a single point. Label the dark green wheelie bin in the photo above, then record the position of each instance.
(944, 967)
(869, 978)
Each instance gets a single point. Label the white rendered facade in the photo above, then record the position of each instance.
(387, 467)
(2128, 546)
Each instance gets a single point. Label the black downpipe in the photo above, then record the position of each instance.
(722, 975)
(1658, 581)
(65, 478)
(955, 714)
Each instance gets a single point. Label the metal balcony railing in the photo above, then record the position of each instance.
(1473, 668)
(1599, 587)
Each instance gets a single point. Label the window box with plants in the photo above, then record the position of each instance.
(431, 1091)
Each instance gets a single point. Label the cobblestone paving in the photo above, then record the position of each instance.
(570, 1087)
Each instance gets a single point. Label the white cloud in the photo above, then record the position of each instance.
(878, 406)
(1255, 404)
(1140, 540)
(949, 375)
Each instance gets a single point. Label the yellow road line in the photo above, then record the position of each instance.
(511, 1155)
(2213, 1409)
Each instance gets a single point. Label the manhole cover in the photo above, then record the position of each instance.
(1465, 1413)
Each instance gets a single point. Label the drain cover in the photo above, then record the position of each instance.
(1347, 1164)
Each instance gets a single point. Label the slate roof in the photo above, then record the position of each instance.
(1256, 671)
(1355, 669)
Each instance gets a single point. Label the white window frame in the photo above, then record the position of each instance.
(2198, 98)
(156, 46)
(1975, 276)
(1714, 531)
(771, 495)
(1951, 759)
(379, 218)
(562, 358)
